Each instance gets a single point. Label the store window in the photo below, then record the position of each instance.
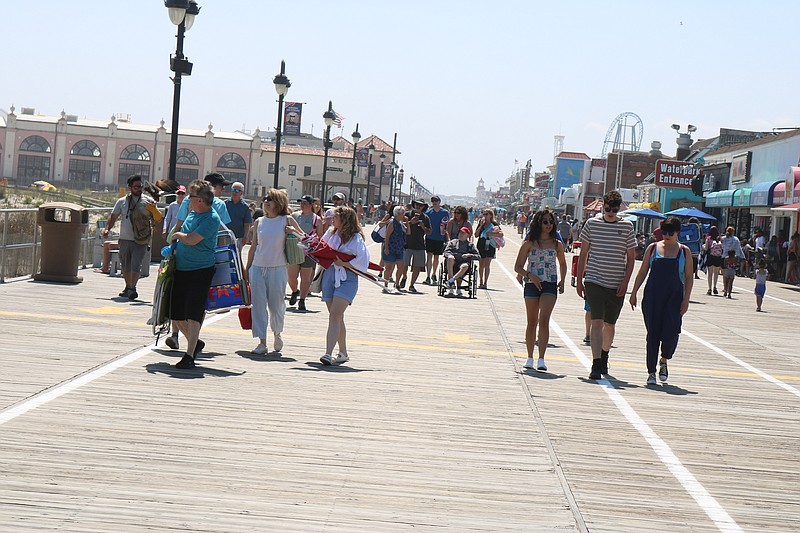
(306, 171)
(133, 152)
(30, 167)
(292, 170)
(186, 170)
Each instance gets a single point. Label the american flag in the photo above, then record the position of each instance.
(338, 120)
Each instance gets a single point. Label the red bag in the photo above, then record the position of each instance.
(245, 318)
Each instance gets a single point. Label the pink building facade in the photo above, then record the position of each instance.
(89, 154)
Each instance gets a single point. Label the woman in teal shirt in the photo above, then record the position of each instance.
(194, 268)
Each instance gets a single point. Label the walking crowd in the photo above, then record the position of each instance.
(447, 246)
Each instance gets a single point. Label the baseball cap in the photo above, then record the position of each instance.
(339, 196)
(435, 199)
(307, 198)
(215, 178)
(181, 188)
(465, 230)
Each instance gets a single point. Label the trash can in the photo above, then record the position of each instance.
(63, 225)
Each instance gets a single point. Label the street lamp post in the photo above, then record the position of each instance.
(182, 14)
(328, 116)
(400, 184)
(380, 178)
(684, 141)
(356, 138)
(282, 85)
(369, 169)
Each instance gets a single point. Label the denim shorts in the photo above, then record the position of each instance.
(346, 290)
(760, 289)
(392, 257)
(548, 287)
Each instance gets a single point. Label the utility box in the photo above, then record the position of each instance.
(63, 226)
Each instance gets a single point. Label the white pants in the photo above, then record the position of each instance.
(268, 290)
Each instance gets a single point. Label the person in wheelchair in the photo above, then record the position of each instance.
(458, 255)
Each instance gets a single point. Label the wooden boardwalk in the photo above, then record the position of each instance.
(432, 426)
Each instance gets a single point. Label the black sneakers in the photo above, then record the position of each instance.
(124, 294)
(663, 371)
(604, 364)
(301, 305)
(293, 298)
(595, 372)
(186, 362)
(132, 294)
(199, 347)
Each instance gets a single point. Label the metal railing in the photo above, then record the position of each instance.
(20, 247)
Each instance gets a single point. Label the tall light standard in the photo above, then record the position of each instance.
(328, 116)
(380, 178)
(356, 137)
(282, 85)
(684, 141)
(182, 14)
(369, 170)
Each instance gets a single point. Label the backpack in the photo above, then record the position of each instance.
(716, 248)
(141, 223)
(379, 233)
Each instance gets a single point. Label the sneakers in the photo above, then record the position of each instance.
(199, 347)
(452, 292)
(709, 292)
(401, 284)
(261, 349)
(124, 294)
(729, 296)
(278, 342)
(434, 281)
(540, 365)
(595, 372)
(326, 359)
(715, 291)
(186, 362)
(413, 289)
(293, 298)
(651, 378)
(451, 283)
(301, 305)
(132, 294)
(604, 364)
(528, 363)
(587, 340)
(172, 342)
(340, 359)
(427, 281)
(663, 371)
(459, 293)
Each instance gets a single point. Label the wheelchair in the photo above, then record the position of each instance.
(468, 283)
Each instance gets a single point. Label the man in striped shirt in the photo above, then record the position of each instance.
(608, 252)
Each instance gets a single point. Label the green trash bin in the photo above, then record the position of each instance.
(63, 226)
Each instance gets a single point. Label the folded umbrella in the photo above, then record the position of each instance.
(324, 255)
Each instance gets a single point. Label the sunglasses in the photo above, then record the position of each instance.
(193, 196)
(237, 190)
(611, 209)
(549, 222)
(268, 198)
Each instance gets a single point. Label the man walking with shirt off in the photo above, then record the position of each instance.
(608, 252)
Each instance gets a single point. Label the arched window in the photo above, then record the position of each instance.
(136, 152)
(187, 157)
(85, 148)
(34, 143)
(231, 160)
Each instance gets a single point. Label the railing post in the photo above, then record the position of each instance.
(5, 243)
(35, 248)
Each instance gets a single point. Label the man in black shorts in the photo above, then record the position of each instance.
(608, 253)
(417, 228)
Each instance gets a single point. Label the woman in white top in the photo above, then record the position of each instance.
(340, 285)
(266, 269)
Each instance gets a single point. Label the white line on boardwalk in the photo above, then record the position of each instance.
(708, 503)
(56, 391)
(741, 363)
(782, 301)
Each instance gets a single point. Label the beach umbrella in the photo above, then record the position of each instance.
(643, 213)
(689, 212)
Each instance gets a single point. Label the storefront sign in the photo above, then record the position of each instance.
(674, 174)
(740, 168)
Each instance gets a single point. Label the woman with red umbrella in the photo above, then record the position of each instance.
(339, 282)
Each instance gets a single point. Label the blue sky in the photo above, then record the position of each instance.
(468, 86)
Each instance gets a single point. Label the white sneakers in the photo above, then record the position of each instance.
(261, 349)
(329, 360)
(451, 292)
(278, 342)
(458, 292)
(540, 365)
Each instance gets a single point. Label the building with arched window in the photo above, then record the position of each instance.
(80, 153)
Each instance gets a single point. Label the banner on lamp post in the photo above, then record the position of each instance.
(292, 116)
(363, 157)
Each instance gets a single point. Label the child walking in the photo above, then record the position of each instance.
(761, 283)
(729, 273)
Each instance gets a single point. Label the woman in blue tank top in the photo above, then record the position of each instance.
(666, 296)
